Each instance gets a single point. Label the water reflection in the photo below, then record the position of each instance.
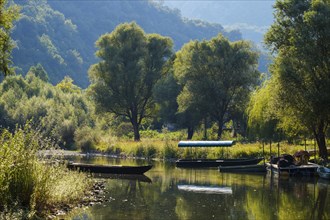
(205, 189)
(172, 195)
(139, 178)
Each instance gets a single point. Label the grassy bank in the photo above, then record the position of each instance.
(31, 186)
(168, 149)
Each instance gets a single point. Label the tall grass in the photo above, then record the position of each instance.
(29, 184)
(168, 149)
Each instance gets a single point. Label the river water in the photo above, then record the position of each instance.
(167, 192)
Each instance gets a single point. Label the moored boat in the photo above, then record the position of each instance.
(324, 172)
(293, 170)
(113, 169)
(201, 163)
(257, 168)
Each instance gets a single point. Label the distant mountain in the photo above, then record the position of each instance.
(61, 34)
(251, 17)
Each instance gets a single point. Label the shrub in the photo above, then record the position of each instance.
(140, 152)
(86, 139)
(151, 151)
(170, 151)
(29, 183)
(149, 134)
(124, 129)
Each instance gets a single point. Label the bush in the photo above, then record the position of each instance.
(151, 151)
(170, 151)
(86, 139)
(146, 150)
(149, 134)
(29, 183)
(58, 113)
(124, 129)
(140, 152)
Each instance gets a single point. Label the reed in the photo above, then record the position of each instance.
(30, 186)
(167, 148)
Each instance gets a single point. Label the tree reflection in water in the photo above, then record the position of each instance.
(253, 196)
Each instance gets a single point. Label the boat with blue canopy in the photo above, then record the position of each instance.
(201, 163)
(206, 143)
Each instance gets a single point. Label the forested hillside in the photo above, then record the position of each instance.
(61, 35)
(252, 18)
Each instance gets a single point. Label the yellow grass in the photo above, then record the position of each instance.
(168, 149)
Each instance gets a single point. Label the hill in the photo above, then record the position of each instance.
(61, 34)
(252, 18)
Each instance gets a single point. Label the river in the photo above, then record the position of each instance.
(167, 192)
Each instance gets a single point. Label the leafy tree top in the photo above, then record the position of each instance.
(131, 64)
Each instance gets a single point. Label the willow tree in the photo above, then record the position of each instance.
(262, 112)
(8, 14)
(130, 65)
(300, 39)
(214, 75)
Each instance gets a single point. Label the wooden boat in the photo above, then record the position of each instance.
(216, 162)
(302, 170)
(256, 168)
(114, 169)
(324, 172)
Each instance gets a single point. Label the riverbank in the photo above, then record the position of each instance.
(34, 187)
(96, 195)
(169, 150)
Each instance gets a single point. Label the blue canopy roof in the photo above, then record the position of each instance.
(205, 143)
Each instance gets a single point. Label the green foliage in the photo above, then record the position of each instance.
(64, 46)
(149, 133)
(58, 110)
(300, 36)
(216, 77)
(262, 112)
(39, 72)
(51, 49)
(130, 66)
(165, 93)
(30, 184)
(67, 86)
(170, 151)
(146, 151)
(85, 139)
(46, 36)
(8, 14)
(124, 129)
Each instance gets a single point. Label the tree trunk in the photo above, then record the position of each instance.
(234, 130)
(136, 131)
(219, 129)
(135, 124)
(205, 128)
(190, 132)
(319, 135)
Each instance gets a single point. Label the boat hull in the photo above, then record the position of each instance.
(302, 170)
(244, 169)
(216, 162)
(111, 169)
(324, 172)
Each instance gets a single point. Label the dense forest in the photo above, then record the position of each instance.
(62, 35)
(148, 76)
